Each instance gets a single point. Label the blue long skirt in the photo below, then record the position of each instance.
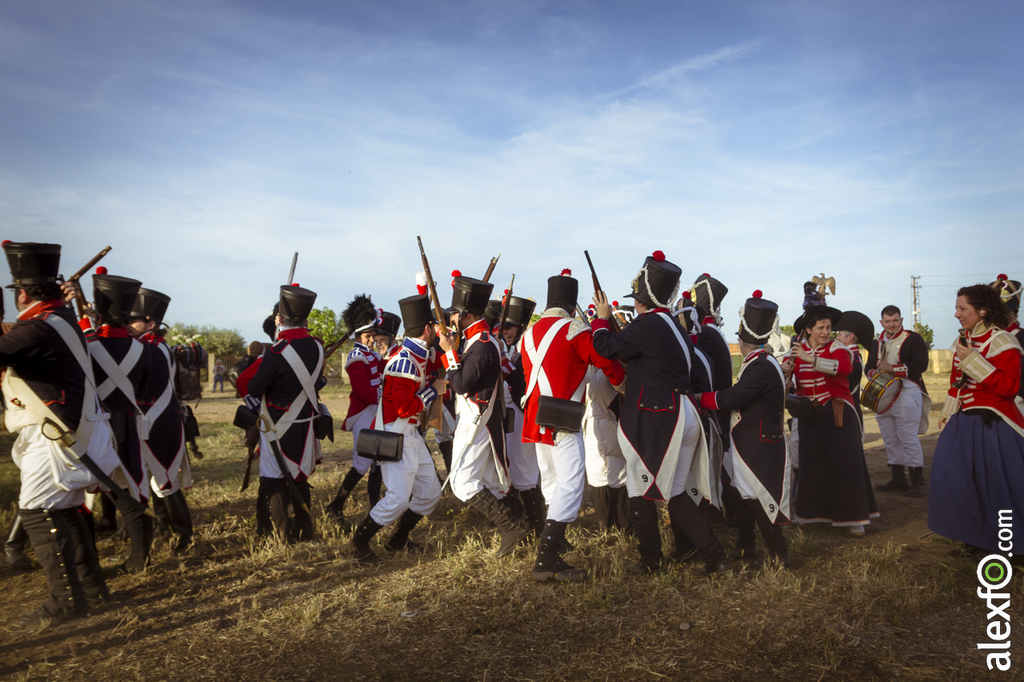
(977, 472)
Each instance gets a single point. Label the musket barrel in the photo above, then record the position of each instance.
(88, 266)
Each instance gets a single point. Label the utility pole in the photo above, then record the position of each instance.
(917, 300)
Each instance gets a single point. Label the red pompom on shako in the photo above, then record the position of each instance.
(455, 273)
(658, 256)
(5, 242)
(757, 293)
(687, 296)
(566, 272)
(101, 270)
(615, 303)
(1000, 277)
(295, 284)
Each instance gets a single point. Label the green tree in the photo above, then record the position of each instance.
(326, 325)
(787, 330)
(926, 332)
(222, 342)
(179, 334)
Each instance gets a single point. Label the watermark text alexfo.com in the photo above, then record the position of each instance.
(994, 574)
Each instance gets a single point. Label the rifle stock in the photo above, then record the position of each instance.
(597, 287)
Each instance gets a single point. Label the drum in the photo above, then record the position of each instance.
(881, 392)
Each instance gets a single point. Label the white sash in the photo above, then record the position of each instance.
(537, 355)
(308, 394)
(702, 482)
(117, 377)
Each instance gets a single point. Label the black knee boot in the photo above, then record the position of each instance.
(14, 547)
(620, 509)
(107, 522)
(549, 564)
(601, 495)
(54, 546)
(644, 519)
(690, 520)
(774, 540)
(917, 487)
(361, 541)
(536, 509)
(87, 562)
(180, 520)
(746, 517)
(337, 506)
(373, 485)
(400, 539)
(447, 447)
(512, 530)
(139, 527)
(898, 482)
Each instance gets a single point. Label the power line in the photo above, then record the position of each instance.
(917, 305)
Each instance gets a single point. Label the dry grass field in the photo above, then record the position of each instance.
(893, 604)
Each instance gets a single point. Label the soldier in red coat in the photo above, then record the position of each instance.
(412, 486)
(364, 367)
(556, 353)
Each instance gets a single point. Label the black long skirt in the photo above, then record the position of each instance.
(834, 485)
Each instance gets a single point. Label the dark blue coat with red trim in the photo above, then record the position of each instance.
(657, 379)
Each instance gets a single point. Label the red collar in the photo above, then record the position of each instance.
(40, 308)
(476, 328)
(292, 334)
(710, 319)
(151, 337)
(1013, 327)
(885, 334)
(656, 310)
(108, 332)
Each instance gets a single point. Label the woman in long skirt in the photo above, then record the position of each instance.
(834, 485)
(977, 479)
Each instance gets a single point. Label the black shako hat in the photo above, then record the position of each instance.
(858, 323)
(1009, 291)
(707, 293)
(563, 291)
(114, 297)
(492, 313)
(819, 311)
(31, 263)
(295, 304)
(757, 319)
(470, 295)
(657, 283)
(520, 312)
(389, 323)
(416, 312)
(150, 305)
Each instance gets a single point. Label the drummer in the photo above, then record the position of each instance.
(904, 354)
(854, 330)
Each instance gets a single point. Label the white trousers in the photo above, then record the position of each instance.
(605, 463)
(411, 483)
(473, 465)
(899, 426)
(562, 476)
(523, 471)
(362, 421)
(691, 438)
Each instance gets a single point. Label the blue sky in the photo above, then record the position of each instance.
(761, 142)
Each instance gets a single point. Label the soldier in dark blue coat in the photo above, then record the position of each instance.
(758, 462)
(659, 430)
(285, 384)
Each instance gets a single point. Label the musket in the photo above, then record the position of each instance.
(285, 471)
(435, 301)
(597, 287)
(499, 393)
(291, 271)
(80, 296)
(490, 268)
(333, 347)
